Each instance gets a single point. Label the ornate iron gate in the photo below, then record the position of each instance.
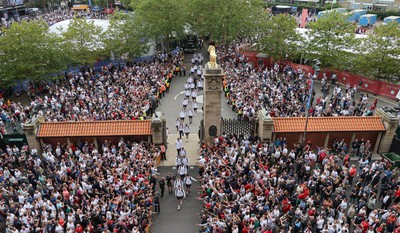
(201, 131)
(238, 126)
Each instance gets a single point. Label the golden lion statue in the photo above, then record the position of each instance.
(213, 56)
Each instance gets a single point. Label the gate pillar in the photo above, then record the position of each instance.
(391, 123)
(30, 129)
(265, 125)
(212, 102)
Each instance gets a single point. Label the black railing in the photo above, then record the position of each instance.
(238, 126)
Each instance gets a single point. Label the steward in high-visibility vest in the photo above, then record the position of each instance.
(240, 113)
(167, 84)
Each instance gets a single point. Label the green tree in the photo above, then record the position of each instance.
(102, 3)
(331, 39)
(163, 19)
(278, 37)
(225, 21)
(380, 54)
(82, 41)
(125, 36)
(29, 51)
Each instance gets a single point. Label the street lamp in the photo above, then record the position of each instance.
(316, 65)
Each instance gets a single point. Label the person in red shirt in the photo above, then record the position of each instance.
(364, 226)
(352, 173)
(79, 228)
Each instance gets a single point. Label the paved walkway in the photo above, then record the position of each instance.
(172, 220)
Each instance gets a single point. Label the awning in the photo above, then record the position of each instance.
(80, 7)
(328, 124)
(94, 128)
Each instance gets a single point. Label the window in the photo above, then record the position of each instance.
(355, 6)
(367, 6)
(380, 8)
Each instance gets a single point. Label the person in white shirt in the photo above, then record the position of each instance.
(185, 102)
(180, 194)
(178, 145)
(185, 161)
(190, 115)
(182, 115)
(188, 182)
(182, 170)
(178, 182)
(195, 107)
(186, 130)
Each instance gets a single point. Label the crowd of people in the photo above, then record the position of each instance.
(78, 188)
(56, 16)
(284, 91)
(249, 186)
(116, 93)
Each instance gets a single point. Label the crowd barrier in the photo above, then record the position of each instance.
(374, 86)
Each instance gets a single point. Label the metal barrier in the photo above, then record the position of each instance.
(238, 126)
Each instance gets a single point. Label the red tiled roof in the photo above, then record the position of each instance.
(328, 124)
(94, 128)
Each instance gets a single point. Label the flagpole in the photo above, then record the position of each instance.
(308, 110)
(310, 95)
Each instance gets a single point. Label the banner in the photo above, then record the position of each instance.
(304, 15)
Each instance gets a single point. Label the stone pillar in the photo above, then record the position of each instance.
(326, 140)
(391, 122)
(265, 125)
(157, 129)
(378, 140)
(212, 102)
(30, 129)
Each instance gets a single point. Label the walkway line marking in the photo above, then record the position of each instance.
(180, 93)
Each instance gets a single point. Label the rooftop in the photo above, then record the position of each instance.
(94, 128)
(328, 124)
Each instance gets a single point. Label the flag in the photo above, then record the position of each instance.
(304, 15)
(310, 95)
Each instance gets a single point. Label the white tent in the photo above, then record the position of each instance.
(63, 25)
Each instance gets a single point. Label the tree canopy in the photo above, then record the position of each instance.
(331, 40)
(278, 37)
(29, 51)
(82, 41)
(125, 36)
(225, 21)
(380, 53)
(162, 19)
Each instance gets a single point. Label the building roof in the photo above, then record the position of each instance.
(94, 128)
(328, 124)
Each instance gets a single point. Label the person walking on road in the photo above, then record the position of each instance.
(169, 178)
(180, 194)
(195, 107)
(188, 182)
(185, 161)
(156, 202)
(182, 115)
(190, 115)
(182, 170)
(178, 182)
(177, 123)
(186, 130)
(181, 130)
(161, 183)
(178, 145)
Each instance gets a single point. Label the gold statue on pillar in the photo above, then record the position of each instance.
(213, 55)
